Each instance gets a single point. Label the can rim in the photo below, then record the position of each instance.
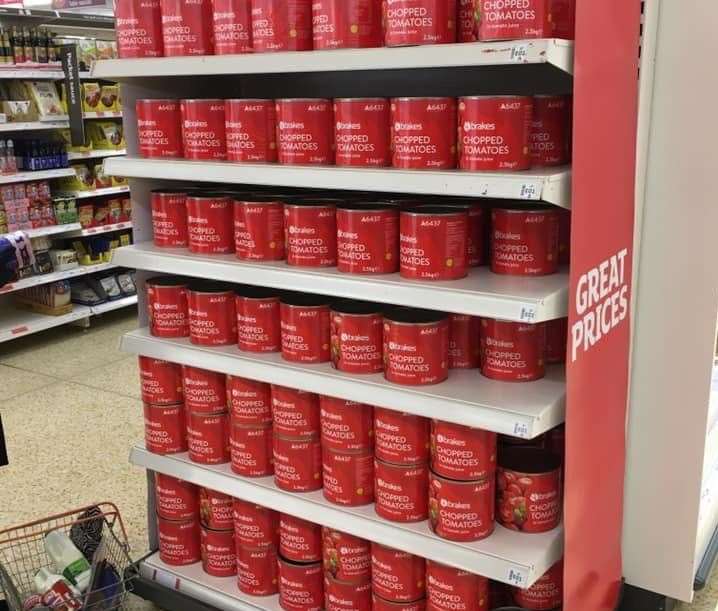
(406, 466)
(526, 209)
(259, 199)
(253, 100)
(174, 405)
(209, 195)
(500, 96)
(168, 281)
(414, 316)
(356, 308)
(246, 291)
(314, 100)
(219, 412)
(531, 461)
(313, 438)
(217, 530)
(208, 286)
(428, 97)
(374, 99)
(431, 210)
(360, 207)
(305, 300)
(197, 100)
(300, 565)
(158, 100)
(451, 480)
(313, 202)
(172, 191)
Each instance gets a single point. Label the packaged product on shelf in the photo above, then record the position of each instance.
(278, 25)
(63, 260)
(67, 139)
(44, 94)
(449, 588)
(251, 130)
(111, 286)
(105, 49)
(138, 24)
(159, 128)
(114, 210)
(126, 209)
(101, 213)
(83, 180)
(402, 491)
(512, 351)
(106, 135)
(108, 98)
(258, 319)
(87, 53)
(251, 453)
(347, 24)
(167, 306)
(546, 593)
(127, 284)
(118, 181)
(86, 215)
(52, 299)
(179, 541)
(86, 293)
(538, 19)
(357, 336)
(419, 22)
(342, 595)
(165, 429)
(187, 28)
(348, 476)
(102, 180)
(91, 94)
(219, 553)
(232, 22)
(301, 586)
(19, 111)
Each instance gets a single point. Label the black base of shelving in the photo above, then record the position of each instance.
(637, 599)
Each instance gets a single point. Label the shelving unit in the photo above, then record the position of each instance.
(101, 229)
(103, 114)
(95, 154)
(82, 270)
(52, 230)
(18, 323)
(8, 179)
(96, 192)
(34, 126)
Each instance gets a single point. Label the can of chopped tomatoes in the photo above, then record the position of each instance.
(167, 308)
(452, 589)
(187, 27)
(254, 525)
(361, 131)
(478, 231)
(348, 477)
(556, 340)
(305, 131)
(401, 438)
(345, 595)
(299, 540)
(212, 314)
(232, 26)
(251, 128)
(203, 129)
(250, 449)
(179, 541)
(219, 554)
(397, 576)
(138, 26)
(249, 401)
(467, 26)
(564, 237)
(169, 218)
(380, 604)
(423, 133)
(513, 20)
(281, 25)
(215, 509)
(401, 491)
(258, 319)
(545, 594)
(347, 24)
(550, 130)
(357, 336)
(512, 351)
(208, 438)
(461, 452)
(204, 390)
(175, 498)
(259, 228)
(159, 133)
(161, 381)
(311, 233)
(295, 412)
(419, 22)
(367, 238)
(347, 426)
(210, 223)
(346, 557)
(301, 586)
(305, 328)
(297, 463)
(257, 570)
(165, 428)
(464, 341)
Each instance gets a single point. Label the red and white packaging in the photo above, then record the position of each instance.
(216, 509)
(159, 129)
(167, 308)
(179, 541)
(203, 129)
(477, 243)
(210, 223)
(362, 129)
(301, 586)
(416, 346)
(212, 314)
(367, 239)
(556, 340)
(250, 449)
(138, 26)
(347, 426)
(401, 491)
(494, 132)
(346, 557)
(347, 24)
(297, 463)
(524, 19)
(401, 439)
(165, 428)
(346, 596)
(464, 341)
(419, 22)
(381, 604)
(545, 594)
(451, 589)
(423, 132)
(467, 24)
(397, 576)
(357, 337)
(254, 525)
(219, 554)
(258, 320)
(175, 498)
(348, 477)
(251, 130)
(204, 390)
(311, 233)
(232, 26)
(249, 402)
(257, 570)
(295, 412)
(305, 131)
(461, 511)
(187, 27)
(259, 228)
(462, 452)
(281, 25)
(169, 218)
(305, 328)
(512, 351)
(299, 540)
(208, 438)
(550, 130)
(161, 381)
(564, 237)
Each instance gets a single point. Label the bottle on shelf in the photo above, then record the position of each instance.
(11, 161)
(68, 559)
(53, 47)
(3, 52)
(18, 45)
(3, 158)
(27, 41)
(42, 46)
(7, 47)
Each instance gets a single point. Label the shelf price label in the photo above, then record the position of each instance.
(528, 191)
(521, 429)
(519, 53)
(528, 314)
(517, 577)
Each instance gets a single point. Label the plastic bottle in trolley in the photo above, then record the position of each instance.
(67, 559)
(55, 592)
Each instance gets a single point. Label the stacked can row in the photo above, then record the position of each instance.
(170, 28)
(474, 133)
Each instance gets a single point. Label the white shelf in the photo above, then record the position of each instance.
(32, 74)
(7, 179)
(95, 192)
(524, 410)
(481, 293)
(34, 126)
(18, 323)
(95, 154)
(103, 114)
(505, 551)
(99, 230)
(558, 53)
(82, 270)
(552, 185)
(114, 305)
(52, 230)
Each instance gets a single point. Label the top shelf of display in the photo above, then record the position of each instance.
(92, 17)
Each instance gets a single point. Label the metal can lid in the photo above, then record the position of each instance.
(528, 460)
(310, 100)
(305, 300)
(360, 207)
(208, 286)
(432, 210)
(356, 308)
(366, 100)
(413, 316)
(167, 281)
(260, 293)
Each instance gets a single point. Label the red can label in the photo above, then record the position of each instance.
(305, 333)
(165, 429)
(176, 499)
(423, 132)
(167, 310)
(401, 439)
(249, 401)
(348, 477)
(556, 340)
(305, 133)
(203, 130)
(159, 128)
(297, 464)
(347, 426)
(259, 231)
(513, 20)
(524, 243)
(169, 220)
(361, 130)
(208, 438)
(419, 22)
(529, 502)
(179, 541)
(346, 557)
(494, 133)
(232, 21)
(545, 594)
(461, 452)
(251, 450)
(254, 525)
(258, 324)
(478, 231)
(299, 540)
(550, 130)
(187, 27)
(401, 491)
(295, 412)
(564, 236)
(463, 341)
(347, 24)
(301, 586)
(461, 511)
(416, 354)
(204, 390)
(346, 596)
(367, 241)
(387, 605)
(357, 342)
(215, 509)
(397, 576)
(138, 24)
(450, 589)
(512, 351)
(257, 570)
(251, 127)
(281, 25)
(219, 555)
(212, 318)
(161, 381)
(210, 225)
(311, 235)
(468, 23)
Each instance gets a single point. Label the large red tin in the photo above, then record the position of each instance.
(464, 341)
(169, 218)
(512, 351)
(367, 239)
(297, 463)
(433, 243)
(518, 19)
(494, 132)
(257, 570)
(138, 27)
(524, 241)
(467, 24)
(208, 438)
(254, 525)
(346, 557)
(545, 594)
(161, 381)
(419, 22)
(311, 234)
(165, 428)
(550, 130)
(259, 228)
(381, 604)
(179, 541)
(210, 223)
(159, 133)
(346, 596)
(219, 554)
(556, 340)
(299, 540)
(478, 230)
(212, 314)
(301, 586)
(416, 346)
(216, 509)
(305, 328)
(175, 498)
(281, 25)
(251, 130)
(295, 412)
(423, 132)
(461, 452)
(461, 511)
(347, 426)
(361, 130)
(564, 237)
(347, 24)
(249, 402)
(402, 491)
(397, 576)
(305, 131)
(203, 129)
(250, 449)
(232, 26)
(529, 490)
(348, 477)
(401, 439)
(357, 336)
(187, 27)
(451, 589)
(167, 308)
(204, 390)
(258, 320)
